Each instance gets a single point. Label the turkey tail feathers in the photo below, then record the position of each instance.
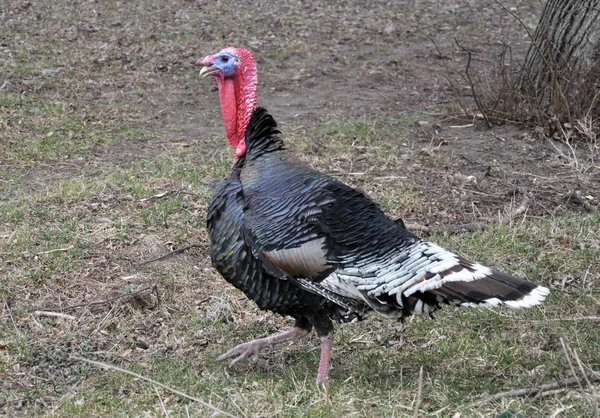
(459, 282)
(421, 276)
(497, 289)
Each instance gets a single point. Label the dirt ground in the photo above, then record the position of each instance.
(123, 71)
(317, 62)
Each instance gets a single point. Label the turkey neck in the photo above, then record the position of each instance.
(238, 101)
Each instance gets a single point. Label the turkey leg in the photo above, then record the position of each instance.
(326, 346)
(252, 348)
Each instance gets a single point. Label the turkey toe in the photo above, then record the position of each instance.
(251, 349)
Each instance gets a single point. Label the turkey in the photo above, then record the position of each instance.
(304, 244)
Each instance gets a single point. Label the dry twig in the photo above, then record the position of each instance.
(157, 196)
(559, 385)
(419, 393)
(162, 404)
(53, 314)
(153, 288)
(582, 318)
(177, 251)
(165, 194)
(56, 250)
(593, 398)
(154, 382)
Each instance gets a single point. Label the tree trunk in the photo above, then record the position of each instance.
(561, 73)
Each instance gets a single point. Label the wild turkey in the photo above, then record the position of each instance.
(304, 244)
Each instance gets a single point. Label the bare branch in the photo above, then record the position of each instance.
(468, 79)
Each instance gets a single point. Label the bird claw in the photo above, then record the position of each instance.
(249, 350)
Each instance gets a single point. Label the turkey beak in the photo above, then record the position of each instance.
(209, 70)
(207, 64)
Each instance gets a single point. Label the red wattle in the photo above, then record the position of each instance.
(227, 93)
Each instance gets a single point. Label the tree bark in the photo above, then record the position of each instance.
(561, 73)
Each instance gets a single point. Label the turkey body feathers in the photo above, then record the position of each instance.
(235, 261)
(305, 224)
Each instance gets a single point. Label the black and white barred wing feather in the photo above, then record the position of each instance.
(419, 275)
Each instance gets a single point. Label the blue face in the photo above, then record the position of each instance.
(226, 62)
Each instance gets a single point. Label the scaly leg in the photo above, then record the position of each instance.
(326, 346)
(252, 348)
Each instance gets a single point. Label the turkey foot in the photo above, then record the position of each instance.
(252, 348)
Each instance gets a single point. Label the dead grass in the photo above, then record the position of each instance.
(110, 145)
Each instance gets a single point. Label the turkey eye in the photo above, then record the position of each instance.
(225, 58)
